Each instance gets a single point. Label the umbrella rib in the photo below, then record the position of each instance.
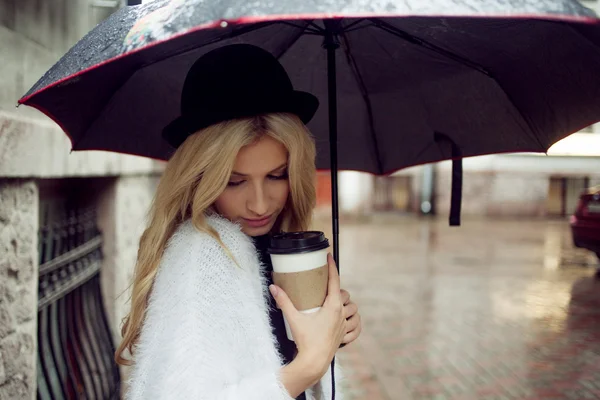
(575, 31)
(294, 39)
(358, 28)
(304, 28)
(363, 91)
(420, 153)
(543, 148)
(423, 43)
(352, 27)
(317, 27)
(464, 61)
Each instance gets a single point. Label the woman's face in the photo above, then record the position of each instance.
(258, 187)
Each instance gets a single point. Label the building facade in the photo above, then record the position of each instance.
(69, 222)
(503, 185)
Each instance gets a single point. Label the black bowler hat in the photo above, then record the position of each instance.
(236, 81)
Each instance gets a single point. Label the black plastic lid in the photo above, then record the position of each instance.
(298, 242)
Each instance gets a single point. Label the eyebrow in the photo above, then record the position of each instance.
(282, 166)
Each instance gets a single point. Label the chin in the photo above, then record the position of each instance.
(251, 231)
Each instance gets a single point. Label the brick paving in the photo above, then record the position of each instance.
(488, 311)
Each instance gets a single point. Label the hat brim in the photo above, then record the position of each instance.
(305, 105)
(302, 104)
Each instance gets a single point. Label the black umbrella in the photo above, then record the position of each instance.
(406, 82)
(408, 88)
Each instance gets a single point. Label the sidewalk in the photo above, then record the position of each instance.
(489, 310)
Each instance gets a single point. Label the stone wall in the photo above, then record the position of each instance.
(18, 289)
(34, 34)
(123, 208)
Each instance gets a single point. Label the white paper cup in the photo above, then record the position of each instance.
(300, 268)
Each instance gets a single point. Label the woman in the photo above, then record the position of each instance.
(202, 324)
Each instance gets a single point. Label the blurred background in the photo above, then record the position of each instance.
(504, 307)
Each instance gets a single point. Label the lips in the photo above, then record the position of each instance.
(257, 223)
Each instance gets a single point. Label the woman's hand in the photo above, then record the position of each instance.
(353, 325)
(318, 336)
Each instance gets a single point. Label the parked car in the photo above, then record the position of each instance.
(585, 223)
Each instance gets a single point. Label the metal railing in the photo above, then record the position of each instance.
(75, 348)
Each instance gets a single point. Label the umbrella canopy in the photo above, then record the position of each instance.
(415, 79)
(414, 82)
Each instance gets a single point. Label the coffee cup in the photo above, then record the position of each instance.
(300, 268)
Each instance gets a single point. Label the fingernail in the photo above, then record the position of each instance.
(273, 290)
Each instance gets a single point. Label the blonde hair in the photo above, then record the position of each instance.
(193, 179)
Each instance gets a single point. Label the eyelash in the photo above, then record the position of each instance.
(272, 177)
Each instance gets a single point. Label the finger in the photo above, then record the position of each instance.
(350, 309)
(276, 305)
(351, 336)
(283, 301)
(353, 323)
(353, 331)
(345, 296)
(333, 289)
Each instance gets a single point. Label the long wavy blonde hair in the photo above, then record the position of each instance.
(193, 179)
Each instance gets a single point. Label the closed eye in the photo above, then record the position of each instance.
(278, 177)
(281, 177)
(238, 183)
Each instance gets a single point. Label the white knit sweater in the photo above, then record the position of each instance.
(207, 333)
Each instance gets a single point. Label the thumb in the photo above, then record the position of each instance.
(282, 300)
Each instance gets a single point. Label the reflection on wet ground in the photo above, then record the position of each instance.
(488, 310)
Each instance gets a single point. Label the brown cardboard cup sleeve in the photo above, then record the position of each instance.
(306, 289)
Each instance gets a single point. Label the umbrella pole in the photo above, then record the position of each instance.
(331, 44)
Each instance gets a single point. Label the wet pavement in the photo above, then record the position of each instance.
(489, 310)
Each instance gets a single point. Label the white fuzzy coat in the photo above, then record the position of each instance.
(207, 333)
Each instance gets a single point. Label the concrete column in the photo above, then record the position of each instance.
(595, 180)
(18, 288)
(122, 211)
(355, 193)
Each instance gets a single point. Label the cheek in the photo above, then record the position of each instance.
(281, 195)
(226, 204)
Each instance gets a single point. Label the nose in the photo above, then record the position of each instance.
(258, 201)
